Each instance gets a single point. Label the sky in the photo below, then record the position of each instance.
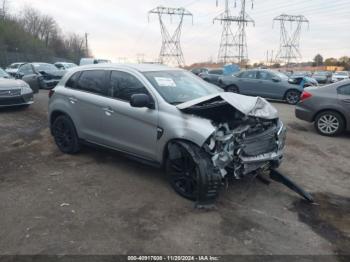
(120, 29)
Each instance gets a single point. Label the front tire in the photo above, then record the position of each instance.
(329, 123)
(292, 97)
(65, 135)
(191, 173)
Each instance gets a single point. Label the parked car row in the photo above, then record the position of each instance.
(328, 106)
(260, 82)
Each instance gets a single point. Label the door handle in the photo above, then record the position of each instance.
(108, 111)
(72, 100)
(346, 101)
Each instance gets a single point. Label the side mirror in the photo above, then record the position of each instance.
(276, 79)
(141, 100)
(19, 75)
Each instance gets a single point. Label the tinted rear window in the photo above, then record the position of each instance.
(93, 81)
(71, 83)
(344, 90)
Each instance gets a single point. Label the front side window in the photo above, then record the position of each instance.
(93, 81)
(216, 72)
(124, 85)
(263, 75)
(177, 86)
(248, 74)
(26, 69)
(344, 90)
(44, 67)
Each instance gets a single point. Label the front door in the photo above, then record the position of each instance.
(269, 87)
(130, 129)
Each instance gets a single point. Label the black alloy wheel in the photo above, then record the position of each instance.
(65, 135)
(183, 173)
(292, 97)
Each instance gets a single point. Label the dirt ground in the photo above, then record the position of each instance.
(99, 202)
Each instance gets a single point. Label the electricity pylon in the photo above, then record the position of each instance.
(289, 49)
(171, 52)
(233, 47)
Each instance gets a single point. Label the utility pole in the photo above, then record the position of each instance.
(233, 47)
(289, 49)
(86, 45)
(171, 52)
(140, 57)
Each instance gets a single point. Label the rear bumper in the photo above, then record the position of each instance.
(16, 100)
(304, 113)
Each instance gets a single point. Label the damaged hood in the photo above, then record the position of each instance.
(247, 105)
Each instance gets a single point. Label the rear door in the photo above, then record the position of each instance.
(88, 99)
(130, 129)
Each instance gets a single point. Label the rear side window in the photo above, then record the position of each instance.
(93, 81)
(216, 72)
(248, 74)
(344, 90)
(71, 83)
(124, 85)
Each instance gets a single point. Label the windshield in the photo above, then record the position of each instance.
(341, 73)
(44, 67)
(70, 65)
(15, 66)
(320, 73)
(177, 87)
(3, 73)
(281, 75)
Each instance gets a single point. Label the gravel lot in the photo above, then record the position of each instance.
(99, 202)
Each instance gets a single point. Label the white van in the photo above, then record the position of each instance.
(91, 61)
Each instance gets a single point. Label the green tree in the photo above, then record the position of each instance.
(331, 61)
(318, 60)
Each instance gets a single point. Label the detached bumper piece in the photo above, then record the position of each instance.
(278, 177)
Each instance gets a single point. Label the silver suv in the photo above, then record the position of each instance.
(168, 118)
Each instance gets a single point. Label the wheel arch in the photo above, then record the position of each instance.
(165, 152)
(331, 109)
(56, 113)
(291, 89)
(232, 85)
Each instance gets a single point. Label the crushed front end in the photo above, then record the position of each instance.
(249, 147)
(248, 138)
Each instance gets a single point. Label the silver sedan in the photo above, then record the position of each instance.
(15, 93)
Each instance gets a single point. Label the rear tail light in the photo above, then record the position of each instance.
(305, 95)
(51, 92)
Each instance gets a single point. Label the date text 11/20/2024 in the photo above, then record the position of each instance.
(173, 258)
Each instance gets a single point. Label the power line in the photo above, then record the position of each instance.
(233, 47)
(171, 52)
(290, 41)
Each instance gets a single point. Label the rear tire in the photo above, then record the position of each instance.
(232, 89)
(292, 97)
(65, 135)
(329, 123)
(191, 173)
